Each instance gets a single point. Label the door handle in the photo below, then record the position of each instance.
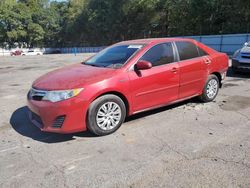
(207, 61)
(174, 70)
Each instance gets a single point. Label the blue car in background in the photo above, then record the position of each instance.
(241, 59)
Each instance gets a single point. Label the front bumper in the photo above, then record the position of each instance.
(67, 116)
(241, 64)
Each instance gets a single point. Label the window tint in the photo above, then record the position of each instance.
(202, 52)
(160, 54)
(187, 50)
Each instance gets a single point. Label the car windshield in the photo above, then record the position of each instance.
(113, 57)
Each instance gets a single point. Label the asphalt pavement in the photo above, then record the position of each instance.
(190, 144)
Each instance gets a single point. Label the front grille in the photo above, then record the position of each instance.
(58, 122)
(247, 56)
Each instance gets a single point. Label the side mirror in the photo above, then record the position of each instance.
(143, 65)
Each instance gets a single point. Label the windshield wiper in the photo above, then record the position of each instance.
(94, 65)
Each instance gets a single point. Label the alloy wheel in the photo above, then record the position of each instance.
(108, 116)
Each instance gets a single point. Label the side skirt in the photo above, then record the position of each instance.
(166, 104)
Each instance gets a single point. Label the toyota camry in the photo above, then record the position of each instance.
(124, 79)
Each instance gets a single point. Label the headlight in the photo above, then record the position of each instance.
(56, 96)
(236, 53)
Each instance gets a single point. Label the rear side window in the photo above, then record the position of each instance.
(187, 50)
(160, 54)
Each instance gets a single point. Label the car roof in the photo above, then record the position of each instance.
(154, 40)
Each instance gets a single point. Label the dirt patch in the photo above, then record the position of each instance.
(27, 68)
(14, 84)
(238, 79)
(235, 103)
(9, 67)
(229, 85)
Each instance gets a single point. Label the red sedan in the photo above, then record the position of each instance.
(16, 53)
(125, 79)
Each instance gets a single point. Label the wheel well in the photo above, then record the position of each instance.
(218, 76)
(124, 99)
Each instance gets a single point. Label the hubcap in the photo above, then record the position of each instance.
(212, 88)
(108, 116)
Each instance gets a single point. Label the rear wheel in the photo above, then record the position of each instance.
(211, 89)
(106, 114)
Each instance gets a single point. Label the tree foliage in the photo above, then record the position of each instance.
(102, 22)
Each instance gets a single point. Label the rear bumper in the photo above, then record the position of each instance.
(68, 116)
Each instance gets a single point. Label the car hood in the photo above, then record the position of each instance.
(71, 77)
(245, 49)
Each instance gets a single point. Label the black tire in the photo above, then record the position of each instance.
(204, 96)
(93, 110)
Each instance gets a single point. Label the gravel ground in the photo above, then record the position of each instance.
(189, 144)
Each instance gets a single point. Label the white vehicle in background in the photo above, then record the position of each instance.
(32, 52)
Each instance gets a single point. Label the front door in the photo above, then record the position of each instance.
(158, 85)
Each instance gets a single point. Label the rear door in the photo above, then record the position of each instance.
(158, 85)
(192, 69)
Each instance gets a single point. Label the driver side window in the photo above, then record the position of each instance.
(160, 54)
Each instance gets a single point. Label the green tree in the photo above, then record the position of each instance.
(102, 22)
(35, 34)
(13, 18)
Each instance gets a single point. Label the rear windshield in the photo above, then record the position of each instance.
(113, 57)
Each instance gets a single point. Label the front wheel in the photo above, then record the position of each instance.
(106, 114)
(211, 89)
